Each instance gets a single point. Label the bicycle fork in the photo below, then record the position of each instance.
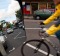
(38, 46)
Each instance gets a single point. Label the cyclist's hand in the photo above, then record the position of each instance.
(41, 23)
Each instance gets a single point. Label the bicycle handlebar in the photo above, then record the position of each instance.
(42, 32)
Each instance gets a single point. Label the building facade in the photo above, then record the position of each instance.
(29, 6)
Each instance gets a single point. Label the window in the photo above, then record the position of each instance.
(51, 5)
(43, 5)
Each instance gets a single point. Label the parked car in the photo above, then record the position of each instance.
(9, 30)
(21, 25)
(3, 40)
(42, 14)
(14, 27)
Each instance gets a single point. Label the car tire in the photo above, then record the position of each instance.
(37, 17)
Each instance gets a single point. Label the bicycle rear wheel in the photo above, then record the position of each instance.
(30, 48)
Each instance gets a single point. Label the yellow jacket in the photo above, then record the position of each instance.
(52, 30)
(54, 15)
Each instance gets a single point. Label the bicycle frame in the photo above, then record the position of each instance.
(45, 38)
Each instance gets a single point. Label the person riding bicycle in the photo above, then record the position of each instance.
(55, 27)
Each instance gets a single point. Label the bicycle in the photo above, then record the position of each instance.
(39, 43)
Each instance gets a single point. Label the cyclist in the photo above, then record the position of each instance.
(55, 27)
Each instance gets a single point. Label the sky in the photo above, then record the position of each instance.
(8, 9)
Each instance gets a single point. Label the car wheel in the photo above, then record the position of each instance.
(37, 17)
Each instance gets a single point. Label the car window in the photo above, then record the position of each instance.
(41, 11)
(9, 28)
(47, 11)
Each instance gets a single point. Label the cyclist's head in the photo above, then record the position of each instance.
(56, 2)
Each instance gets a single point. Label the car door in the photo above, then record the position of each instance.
(10, 13)
(42, 14)
(47, 13)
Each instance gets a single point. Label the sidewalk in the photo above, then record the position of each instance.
(28, 17)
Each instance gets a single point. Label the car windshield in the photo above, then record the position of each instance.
(41, 11)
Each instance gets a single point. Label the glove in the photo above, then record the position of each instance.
(41, 23)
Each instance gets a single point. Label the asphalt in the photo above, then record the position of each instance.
(19, 36)
(14, 40)
(32, 26)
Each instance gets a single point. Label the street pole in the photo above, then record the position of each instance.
(21, 6)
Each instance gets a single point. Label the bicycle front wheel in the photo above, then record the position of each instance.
(35, 48)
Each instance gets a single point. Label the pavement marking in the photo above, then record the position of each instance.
(5, 36)
(20, 37)
(38, 29)
(39, 50)
(31, 20)
(32, 28)
(12, 49)
(17, 35)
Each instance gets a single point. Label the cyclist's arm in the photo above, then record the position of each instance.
(52, 30)
(51, 18)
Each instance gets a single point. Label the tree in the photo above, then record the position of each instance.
(8, 25)
(19, 14)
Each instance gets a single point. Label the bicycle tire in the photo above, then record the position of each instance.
(34, 40)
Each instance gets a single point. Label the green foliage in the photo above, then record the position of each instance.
(3, 21)
(18, 14)
(8, 25)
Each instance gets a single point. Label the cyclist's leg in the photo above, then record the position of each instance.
(58, 36)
